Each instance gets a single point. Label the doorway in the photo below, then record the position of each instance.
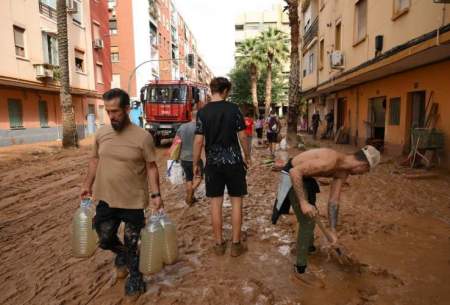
(341, 109)
(377, 118)
(415, 115)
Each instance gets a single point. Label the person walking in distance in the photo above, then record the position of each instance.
(315, 121)
(187, 133)
(273, 128)
(259, 127)
(330, 124)
(249, 130)
(122, 165)
(220, 125)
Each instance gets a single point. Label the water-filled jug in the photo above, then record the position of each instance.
(84, 237)
(152, 238)
(170, 249)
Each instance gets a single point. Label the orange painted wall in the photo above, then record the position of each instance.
(30, 107)
(428, 78)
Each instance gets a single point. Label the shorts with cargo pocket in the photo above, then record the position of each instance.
(231, 176)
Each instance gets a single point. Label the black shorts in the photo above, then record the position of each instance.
(231, 176)
(106, 213)
(259, 133)
(272, 137)
(188, 169)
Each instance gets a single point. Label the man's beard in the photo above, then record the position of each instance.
(120, 125)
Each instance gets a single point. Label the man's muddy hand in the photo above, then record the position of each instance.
(85, 192)
(156, 203)
(309, 210)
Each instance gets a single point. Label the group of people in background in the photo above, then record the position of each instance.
(316, 121)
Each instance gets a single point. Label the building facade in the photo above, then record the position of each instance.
(29, 89)
(379, 65)
(250, 25)
(149, 41)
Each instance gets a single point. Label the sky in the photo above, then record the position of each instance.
(212, 23)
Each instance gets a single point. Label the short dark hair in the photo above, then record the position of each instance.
(220, 85)
(124, 98)
(360, 156)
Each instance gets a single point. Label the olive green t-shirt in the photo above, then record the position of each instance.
(121, 178)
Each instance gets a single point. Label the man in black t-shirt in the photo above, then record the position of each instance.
(220, 126)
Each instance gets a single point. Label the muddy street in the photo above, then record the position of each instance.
(398, 229)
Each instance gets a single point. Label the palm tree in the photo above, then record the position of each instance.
(273, 44)
(70, 136)
(294, 76)
(249, 57)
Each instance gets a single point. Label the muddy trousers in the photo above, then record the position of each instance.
(305, 237)
(107, 222)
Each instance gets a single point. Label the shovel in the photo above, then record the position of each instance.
(343, 258)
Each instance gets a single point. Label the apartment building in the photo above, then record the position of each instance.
(250, 24)
(150, 40)
(29, 89)
(377, 65)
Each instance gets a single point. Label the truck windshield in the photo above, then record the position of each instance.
(167, 94)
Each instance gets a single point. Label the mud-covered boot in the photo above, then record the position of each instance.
(237, 249)
(135, 285)
(307, 277)
(219, 249)
(121, 266)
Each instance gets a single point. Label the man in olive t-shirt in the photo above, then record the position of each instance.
(121, 167)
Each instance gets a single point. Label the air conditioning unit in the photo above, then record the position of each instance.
(111, 6)
(72, 7)
(98, 44)
(43, 72)
(337, 60)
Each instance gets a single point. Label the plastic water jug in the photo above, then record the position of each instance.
(152, 238)
(84, 237)
(170, 248)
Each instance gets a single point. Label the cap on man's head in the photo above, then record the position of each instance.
(372, 154)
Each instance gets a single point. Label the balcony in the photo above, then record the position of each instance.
(153, 10)
(47, 11)
(311, 32)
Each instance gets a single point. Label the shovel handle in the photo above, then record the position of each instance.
(323, 229)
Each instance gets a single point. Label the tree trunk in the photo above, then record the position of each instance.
(268, 88)
(70, 136)
(254, 84)
(294, 76)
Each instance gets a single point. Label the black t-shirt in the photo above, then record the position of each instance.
(220, 122)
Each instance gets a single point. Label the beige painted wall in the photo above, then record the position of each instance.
(25, 14)
(422, 17)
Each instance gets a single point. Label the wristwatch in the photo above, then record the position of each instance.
(155, 195)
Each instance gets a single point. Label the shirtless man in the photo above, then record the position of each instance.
(298, 188)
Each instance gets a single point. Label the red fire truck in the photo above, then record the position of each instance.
(168, 104)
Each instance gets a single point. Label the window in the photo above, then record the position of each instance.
(50, 48)
(239, 27)
(309, 64)
(360, 28)
(91, 109)
(394, 111)
(115, 82)
(78, 8)
(15, 113)
(79, 61)
(19, 41)
(112, 26)
(400, 7)
(99, 73)
(337, 37)
(115, 54)
(43, 113)
(321, 53)
(50, 3)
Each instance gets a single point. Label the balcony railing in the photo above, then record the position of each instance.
(47, 11)
(311, 32)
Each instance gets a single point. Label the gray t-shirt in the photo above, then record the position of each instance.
(187, 133)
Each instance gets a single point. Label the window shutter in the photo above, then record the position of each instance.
(15, 113)
(43, 113)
